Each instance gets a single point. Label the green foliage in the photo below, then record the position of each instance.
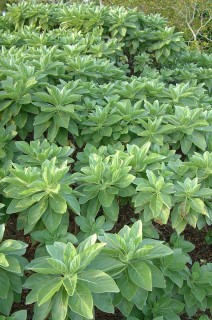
(11, 271)
(19, 315)
(62, 283)
(40, 193)
(105, 134)
(154, 197)
(35, 153)
(103, 182)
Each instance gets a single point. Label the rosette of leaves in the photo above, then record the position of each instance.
(102, 182)
(131, 89)
(153, 197)
(40, 194)
(140, 61)
(168, 45)
(130, 260)
(142, 157)
(189, 201)
(174, 268)
(45, 237)
(43, 58)
(183, 94)
(130, 113)
(83, 157)
(177, 241)
(11, 271)
(152, 130)
(83, 17)
(201, 164)
(159, 305)
(58, 113)
(14, 95)
(62, 285)
(189, 128)
(121, 22)
(101, 124)
(88, 68)
(197, 290)
(36, 152)
(90, 225)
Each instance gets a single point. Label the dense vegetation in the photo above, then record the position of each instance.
(105, 137)
(192, 17)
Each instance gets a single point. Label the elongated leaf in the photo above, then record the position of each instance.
(127, 287)
(48, 291)
(98, 281)
(60, 306)
(82, 302)
(70, 284)
(140, 274)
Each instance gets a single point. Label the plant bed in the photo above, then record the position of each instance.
(105, 166)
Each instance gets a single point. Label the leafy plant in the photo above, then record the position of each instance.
(189, 199)
(62, 283)
(35, 153)
(105, 126)
(57, 111)
(138, 273)
(189, 127)
(197, 291)
(153, 197)
(103, 182)
(40, 194)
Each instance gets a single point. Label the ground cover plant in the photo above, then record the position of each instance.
(105, 166)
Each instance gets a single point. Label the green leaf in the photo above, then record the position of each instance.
(72, 203)
(43, 117)
(140, 274)
(152, 251)
(105, 198)
(113, 211)
(2, 228)
(57, 203)
(70, 284)
(58, 265)
(59, 305)
(197, 205)
(199, 140)
(82, 302)
(5, 284)
(51, 220)
(90, 253)
(98, 281)
(61, 119)
(104, 302)
(136, 231)
(49, 290)
(158, 280)
(41, 312)
(37, 210)
(140, 298)
(127, 287)
(13, 265)
(20, 315)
